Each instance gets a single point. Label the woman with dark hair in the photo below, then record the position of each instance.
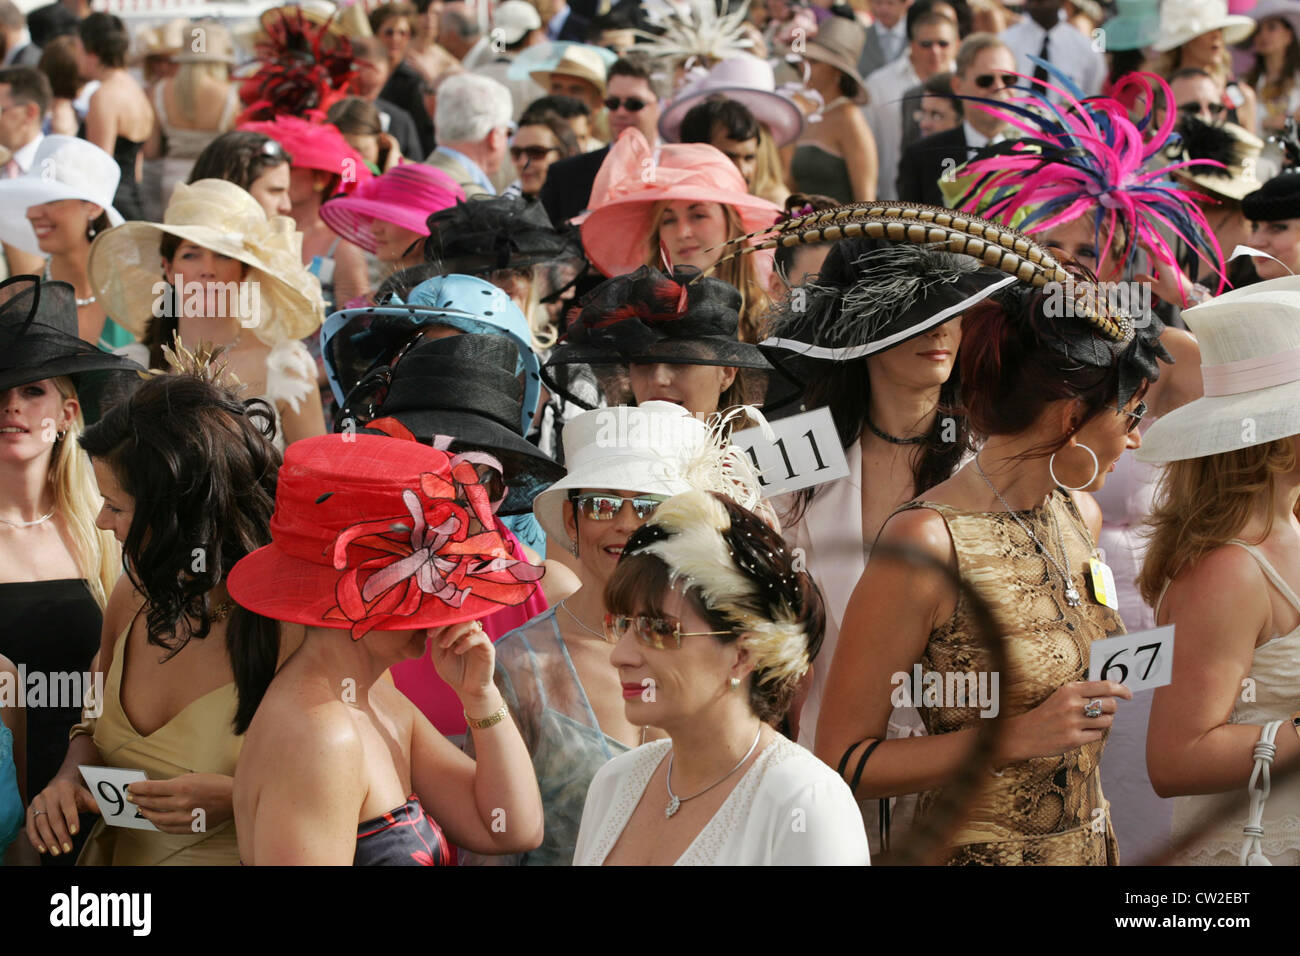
(59, 64)
(714, 626)
(1056, 401)
(381, 546)
(188, 475)
(252, 161)
(542, 138)
(1275, 73)
(120, 119)
(361, 125)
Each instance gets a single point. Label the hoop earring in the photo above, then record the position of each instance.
(1096, 467)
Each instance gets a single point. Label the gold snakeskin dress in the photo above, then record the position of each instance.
(1046, 810)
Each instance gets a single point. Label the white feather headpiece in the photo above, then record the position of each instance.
(702, 35)
(697, 553)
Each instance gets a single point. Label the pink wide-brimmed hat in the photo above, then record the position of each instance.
(405, 196)
(630, 182)
(747, 80)
(316, 146)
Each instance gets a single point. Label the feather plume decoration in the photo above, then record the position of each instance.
(204, 363)
(703, 36)
(989, 242)
(1087, 156)
(304, 70)
(691, 541)
(722, 466)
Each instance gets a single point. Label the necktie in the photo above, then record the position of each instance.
(11, 170)
(1040, 71)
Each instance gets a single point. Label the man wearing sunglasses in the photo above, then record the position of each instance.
(631, 100)
(1046, 34)
(933, 46)
(986, 69)
(1198, 94)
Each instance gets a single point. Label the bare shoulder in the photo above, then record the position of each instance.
(921, 528)
(1199, 589)
(123, 603)
(1088, 510)
(297, 722)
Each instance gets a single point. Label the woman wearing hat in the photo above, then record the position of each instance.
(836, 156)
(216, 270)
(388, 216)
(1197, 34)
(56, 567)
(322, 166)
(56, 209)
(675, 335)
(555, 670)
(179, 658)
(1274, 213)
(1275, 73)
(199, 103)
(714, 624)
(362, 777)
(1223, 567)
(1056, 402)
(677, 207)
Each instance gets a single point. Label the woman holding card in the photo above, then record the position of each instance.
(187, 473)
(1223, 566)
(1054, 401)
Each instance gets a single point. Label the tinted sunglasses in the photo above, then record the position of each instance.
(603, 507)
(654, 632)
(535, 154)
(1191, 109)
(1135, 416)
(986, 80)
(941, 44)
(632, 104)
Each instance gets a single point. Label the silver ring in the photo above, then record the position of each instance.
(37, 813)
(1092, 708)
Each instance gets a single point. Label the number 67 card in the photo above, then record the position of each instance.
(1140, 661)
(108, 786)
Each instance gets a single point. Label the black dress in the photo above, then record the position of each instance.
(49, 628)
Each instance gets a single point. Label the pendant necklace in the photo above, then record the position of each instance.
(674, 801)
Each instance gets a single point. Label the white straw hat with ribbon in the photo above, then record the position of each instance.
(1250, 365)
(64, 167)
(1184, 20)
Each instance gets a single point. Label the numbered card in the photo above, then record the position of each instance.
(1140, 661)
(805, 451)
(108, 786)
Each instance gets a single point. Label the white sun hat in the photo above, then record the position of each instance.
(655, 448)
(1250, 364)
(64, 167)
(1183, 20)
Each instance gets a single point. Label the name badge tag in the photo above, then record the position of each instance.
(1140, 661)
(804, 451)
(1103, 583)
(108, 786)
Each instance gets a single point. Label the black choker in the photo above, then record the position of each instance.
(893, 440)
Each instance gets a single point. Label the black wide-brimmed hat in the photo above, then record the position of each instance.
(486, 233)
(1277, 199)
(38, 340)
(649, 317)
(463, 387)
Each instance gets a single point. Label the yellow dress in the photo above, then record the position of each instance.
(200, 739)
(1045, 810)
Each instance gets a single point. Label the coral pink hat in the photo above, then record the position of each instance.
(406, 196)
(315, 146)
(616, 229)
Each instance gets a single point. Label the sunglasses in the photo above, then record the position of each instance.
(653, 632)
(535, 154)
(941, 44)
(1135, 416)
(985, 80)
(1191, 109)
(632, 104)
(602, 507)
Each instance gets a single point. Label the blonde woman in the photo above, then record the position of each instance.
(56, 567)
(1196, 34)
(198, 104)
(689, 199)
(1223, 567)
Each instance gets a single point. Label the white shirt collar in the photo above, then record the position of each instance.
(25, 155)
(977, 140)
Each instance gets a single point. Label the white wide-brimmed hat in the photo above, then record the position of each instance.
(747, 80)
(64, 167)
(1183, 20)
(1250, 364)
(647, 448)
(1285, 10)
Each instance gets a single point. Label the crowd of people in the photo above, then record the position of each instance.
(469, 553)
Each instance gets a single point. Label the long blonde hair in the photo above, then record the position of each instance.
(189, 78)
(740, 272)
(77, 500)
(768, 183)
(1203, 503)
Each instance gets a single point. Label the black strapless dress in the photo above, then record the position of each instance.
(127, 198)
(406, 836)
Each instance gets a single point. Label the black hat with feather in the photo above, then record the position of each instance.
(1235, 151)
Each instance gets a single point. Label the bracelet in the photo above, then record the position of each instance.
(489, 721)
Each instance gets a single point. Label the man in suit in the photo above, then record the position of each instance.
(567, 189)
(473, 127)
(886, 37)
(18, 47)
(984, 65)
(371, 72)
(25, 97)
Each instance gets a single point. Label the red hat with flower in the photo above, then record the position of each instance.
(372, 533)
